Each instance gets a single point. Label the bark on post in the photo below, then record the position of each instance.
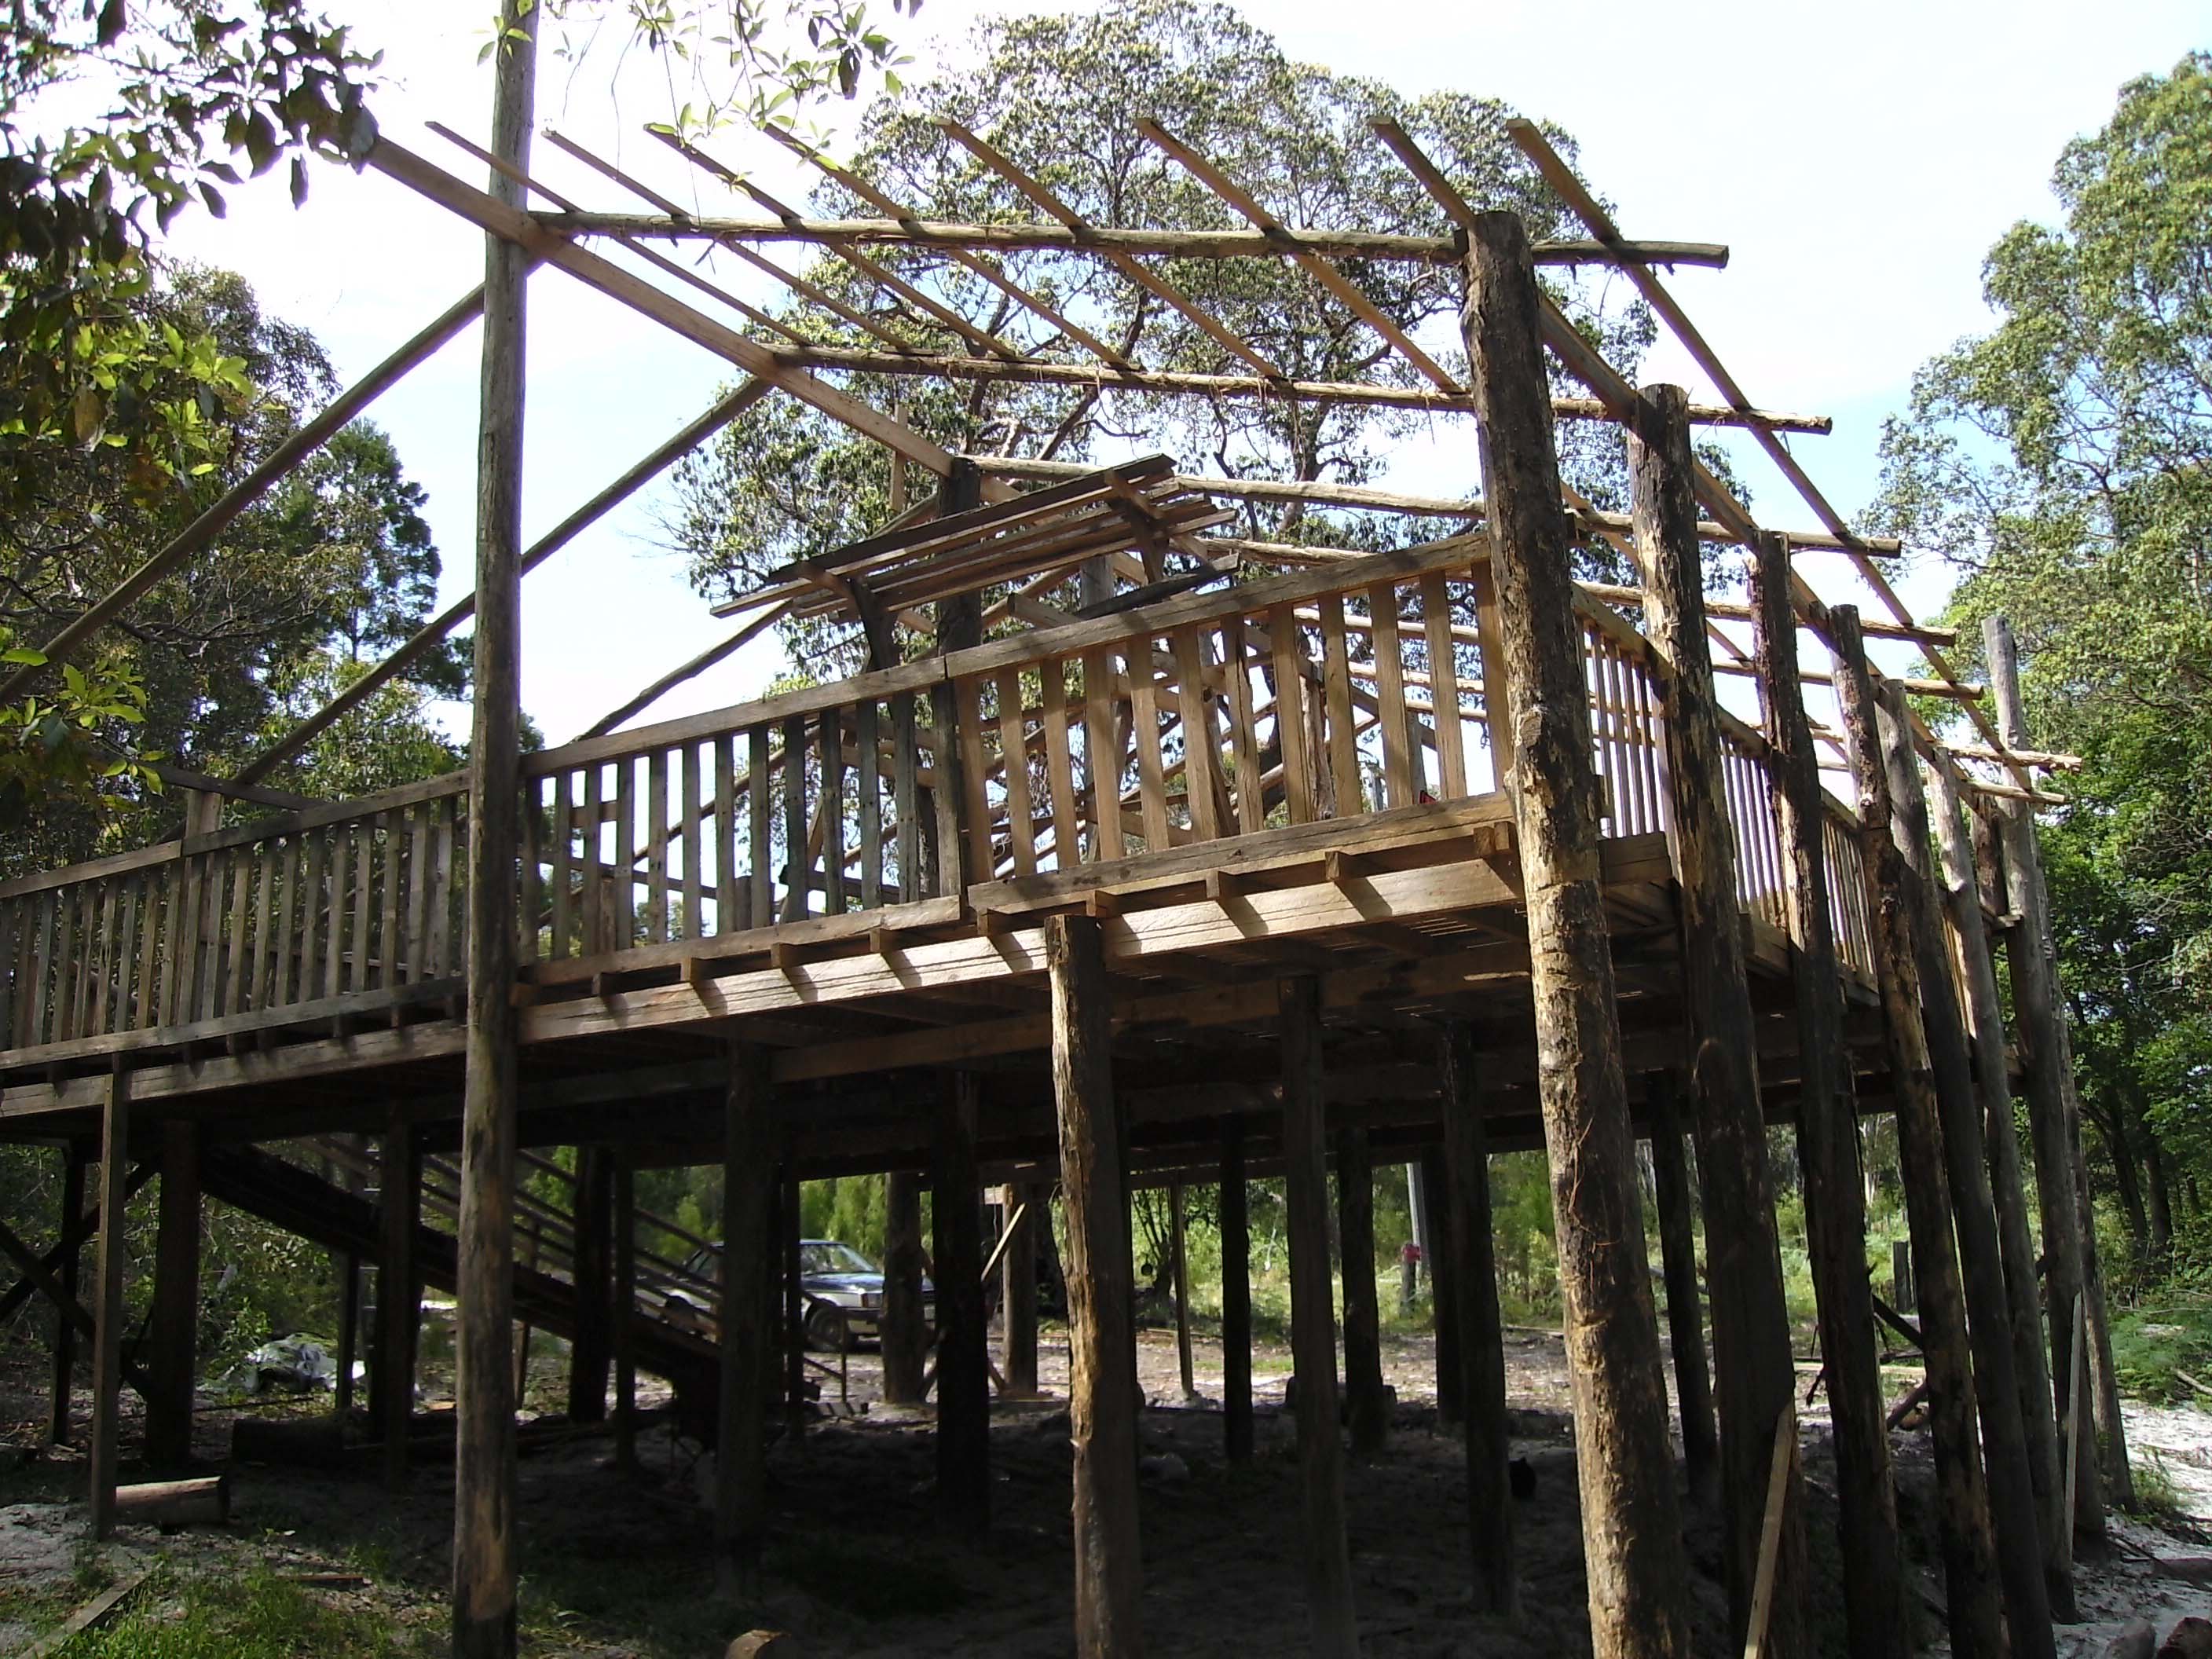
(747, 1338)
(625, 1314)
(963, 1337)
(1179, 1252)
(484, 1569)
(1102, 1409)
(1443, 1290)
(1678, 1259)
(398, 1304)
(1473, 1279)
(1752, 1359)
(2013, 1496)
(1638, 1570)
(72, 1211)
(1236, 1298)
(592, 1268)
(1368, 1406)
(107, 1300)
(2054, 1113)
(905, 1335)
(173, 1362)
(1313, 1323)
(1985, 1025)
(1963, 1502)
(1828, 1139)
(1017, 1296)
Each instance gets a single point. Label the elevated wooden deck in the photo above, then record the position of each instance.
(857, 876)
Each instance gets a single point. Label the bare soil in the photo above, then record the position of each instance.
(616, 1563)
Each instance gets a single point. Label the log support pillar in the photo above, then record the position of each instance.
(1443, 1293)
(591, 1266)
(59, 1427)
(1875, 1614)
(1634, 1559)
(1236, 1298)
(174, 1325)
(1017, 1288)
(1962, 1492)
(1678, 1259)
(747, 1333)
(398, 1294)
(963, 1337)
(1368, 1406)
(1179, 1263)
(1102, 1403)
(107, 1301)
(1313, 1323)
(1473, 1279)
(625, 1314)
(905, 1337)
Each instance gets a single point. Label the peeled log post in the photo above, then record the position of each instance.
(1977, 1615)
(1369, 1408)
(1313, 1323)
(172, 1364)
(398, 1308)
(748, 1338)
(963, 1338)
(1474, 1279)
(1827, 1139)
(625, 1313)
(107, 1301)
(484, 1564)
(1179, 1250)
(1444, 1291)
(591, 1268)
(1017, 1297)
(71, 1247)
(1985, 1025)
(905, 1339)
(1634, 1554)
(1678, 1259)
(200, 1502)
(1236, 1298)
(1755, 1370)
(2013, 1497)
(2054, 1113)
(1101, 1407)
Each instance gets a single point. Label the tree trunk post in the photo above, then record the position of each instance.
(484, 1567)
(1874, 1607)
(1313, 1323)
(1678, 1259)
(1236, 1298)
(349, 1334)
(1444, 1291)
(2014, 1509)
(905, 1337)
(1179, 1251)
(1634, 1554)
(747, 1335)
(398, 1304)
(1369, 1408)
(1017, 1289)
(107, 1300)
(72, 1211)
(625, 1313)
(1101, 1410)
(963, 1335)
(2054, 1111)
(1473, 1279)
(2031, 1357)
(592, 1265)
(174, 1324)
(1755, 1371)
(1963, 1500)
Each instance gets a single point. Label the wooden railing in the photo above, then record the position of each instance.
(1352, 687)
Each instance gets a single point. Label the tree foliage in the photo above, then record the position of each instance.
(1060, 96)
(2063, 464)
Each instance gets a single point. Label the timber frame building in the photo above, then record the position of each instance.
(1168, 856)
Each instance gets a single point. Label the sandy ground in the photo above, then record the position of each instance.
(615, 1563)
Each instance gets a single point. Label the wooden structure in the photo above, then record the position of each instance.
(1182, 851)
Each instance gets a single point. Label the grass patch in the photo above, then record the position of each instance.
(252, 1614)
(2157, 1498)
(2165, 1353)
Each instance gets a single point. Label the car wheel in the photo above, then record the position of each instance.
(826, 1329)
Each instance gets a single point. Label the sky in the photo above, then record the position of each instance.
(1857, 161)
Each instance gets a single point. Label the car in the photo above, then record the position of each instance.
(843, 1292)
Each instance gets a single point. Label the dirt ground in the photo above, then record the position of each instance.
(615, 1563)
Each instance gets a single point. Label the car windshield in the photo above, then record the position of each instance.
(827, 1256)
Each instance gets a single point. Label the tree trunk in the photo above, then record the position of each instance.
(1633, 1556)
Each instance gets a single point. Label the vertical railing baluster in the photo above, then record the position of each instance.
(867, 739)
(728, 918)
(691, 835)
(758, 828)
(831, 813)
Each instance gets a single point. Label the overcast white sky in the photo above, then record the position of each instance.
(1858, 161)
